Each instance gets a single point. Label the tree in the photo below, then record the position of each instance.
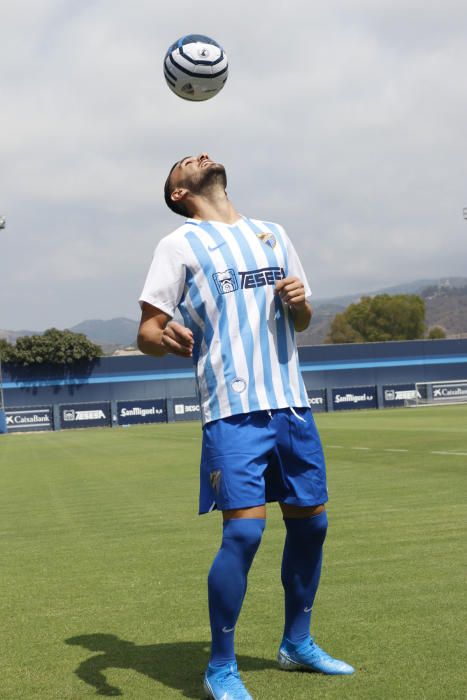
(379, 318)
(54, 347)
(436, 333)
(342, 332)
(6, 350)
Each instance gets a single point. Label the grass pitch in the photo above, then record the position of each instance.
(104, 561)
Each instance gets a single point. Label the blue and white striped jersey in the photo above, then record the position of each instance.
(222, 277)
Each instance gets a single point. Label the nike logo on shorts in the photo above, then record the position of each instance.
(308, 609)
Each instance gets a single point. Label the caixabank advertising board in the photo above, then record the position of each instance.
(23, 420)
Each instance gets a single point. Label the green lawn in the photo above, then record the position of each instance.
(103, 564)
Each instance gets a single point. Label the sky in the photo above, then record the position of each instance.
(345, 121)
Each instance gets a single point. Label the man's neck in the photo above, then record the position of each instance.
(215, 209)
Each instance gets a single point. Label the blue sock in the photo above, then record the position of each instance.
(301, 569)
(227, 583)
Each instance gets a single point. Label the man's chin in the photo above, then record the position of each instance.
(213, 175)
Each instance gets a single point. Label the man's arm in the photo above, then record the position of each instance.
(157, 337)
(292, 292)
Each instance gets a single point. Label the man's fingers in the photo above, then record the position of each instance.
(287, 283)
(180, 334)
(175, 347)
(291, 290)
(178, 340)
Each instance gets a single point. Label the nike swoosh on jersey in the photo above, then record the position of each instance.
(211, 248)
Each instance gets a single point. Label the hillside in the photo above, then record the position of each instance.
(445, 300)
(447, 308)
(445, 305)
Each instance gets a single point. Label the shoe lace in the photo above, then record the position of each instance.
(317, 652)
(232, 683)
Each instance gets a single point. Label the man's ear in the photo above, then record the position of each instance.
(178, 194)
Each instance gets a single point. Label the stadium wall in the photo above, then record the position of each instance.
(325, 367)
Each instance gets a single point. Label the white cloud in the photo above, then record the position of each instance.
(345, 121)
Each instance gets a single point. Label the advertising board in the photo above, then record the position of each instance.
(85, 415)
(22, 420)
(318, 400)
(143, 411)
(398, 394)
(444, 392)
(354, 397)
(186, 408)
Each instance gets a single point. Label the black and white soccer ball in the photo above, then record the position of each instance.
(195, 67)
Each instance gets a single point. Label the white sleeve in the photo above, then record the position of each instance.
(295, 267)
(165, 281)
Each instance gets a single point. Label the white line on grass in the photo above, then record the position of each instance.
(458, 454)
(394, 449)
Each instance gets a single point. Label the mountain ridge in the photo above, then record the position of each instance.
(446, 305)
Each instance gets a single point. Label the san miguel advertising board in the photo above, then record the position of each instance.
(144, 411)
(85, 415)
(354, 397)
(22, 420)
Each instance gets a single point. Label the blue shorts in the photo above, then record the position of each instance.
(253, 458)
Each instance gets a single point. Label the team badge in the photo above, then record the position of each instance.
(225, 281)
(267, 239)
(215, 479)
(238, 384)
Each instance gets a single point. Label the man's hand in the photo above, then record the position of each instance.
(177, 339)
(292, 292)
(158, 334)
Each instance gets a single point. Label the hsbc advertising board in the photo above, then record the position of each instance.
(354, 397)
(186, 409)
(398, 394)
(22, 420)
(317, 400)
(85, 415)
(133, 412)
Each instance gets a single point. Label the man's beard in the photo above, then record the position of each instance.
(209, 178)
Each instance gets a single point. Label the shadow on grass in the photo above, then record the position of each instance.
(179, 665)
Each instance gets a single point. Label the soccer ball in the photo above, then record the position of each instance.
(195, 67)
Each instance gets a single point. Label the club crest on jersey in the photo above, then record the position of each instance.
(225, 281)
(267, 239)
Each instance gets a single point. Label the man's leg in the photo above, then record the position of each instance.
(227, 580)
(301, 566)
(301, 570)
(227, 583)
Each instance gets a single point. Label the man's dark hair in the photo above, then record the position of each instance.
(177, 207)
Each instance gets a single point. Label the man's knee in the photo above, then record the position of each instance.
(312, 529)
(245, 533)
(289, 511)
